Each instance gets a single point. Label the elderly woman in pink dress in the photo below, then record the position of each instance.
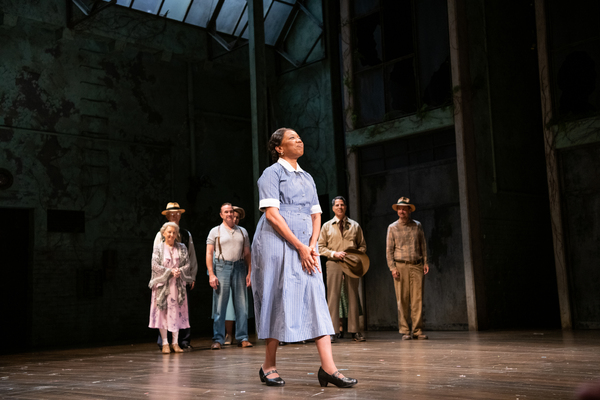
(170, 272)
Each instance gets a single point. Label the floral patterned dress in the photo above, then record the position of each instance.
(174, 316)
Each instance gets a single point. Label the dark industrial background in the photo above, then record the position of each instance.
(484, 113)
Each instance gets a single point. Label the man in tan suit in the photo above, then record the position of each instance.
(337, 235)
(406, 253)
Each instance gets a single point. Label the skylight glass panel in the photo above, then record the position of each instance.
(124, 3)
(275, 20)
(243, 23)
(200, 12)
(266, 5)
(230, 15)
(149, 6)
(174, 9)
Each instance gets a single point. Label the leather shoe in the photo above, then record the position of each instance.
(406, 337)
(215, 346)
(270, 381)
(176, 348)
(325, 378)
(244, 343)
(166, 349)
(358, 337)
(421, 337)
(333, 339)
(227, 339)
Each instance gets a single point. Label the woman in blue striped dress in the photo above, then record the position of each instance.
(289, 295)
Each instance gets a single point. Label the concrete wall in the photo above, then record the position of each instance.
(581, 196)
(301, 100)
(96, 120)
(433, 187)
(518, 270)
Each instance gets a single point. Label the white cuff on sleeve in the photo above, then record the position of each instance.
(316, 209)
(265, 203)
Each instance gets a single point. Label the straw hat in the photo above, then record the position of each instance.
(356, 263)
(172, 207)
(403, 201)
(241, 211)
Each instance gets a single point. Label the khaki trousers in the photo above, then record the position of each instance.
(409, 294)
(334, 286)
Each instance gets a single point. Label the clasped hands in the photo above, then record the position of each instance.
(309, 258)
(176, 272)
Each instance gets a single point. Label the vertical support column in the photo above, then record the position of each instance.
(331, 19)
(348, 67)
(467, 166)
(258, 93)
(552, 169)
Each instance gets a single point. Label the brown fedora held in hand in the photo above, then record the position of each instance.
(356, 263)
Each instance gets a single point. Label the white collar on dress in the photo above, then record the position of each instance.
(288, 166)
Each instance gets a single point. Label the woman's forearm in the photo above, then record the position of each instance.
(278, 223)
(316, 225)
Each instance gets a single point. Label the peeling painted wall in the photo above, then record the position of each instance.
(93, 125)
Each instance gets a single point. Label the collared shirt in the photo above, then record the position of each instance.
(269, 199)
(233, 241)
(331, 239)
(405, 242)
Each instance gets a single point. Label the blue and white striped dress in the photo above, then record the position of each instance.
(289, 304)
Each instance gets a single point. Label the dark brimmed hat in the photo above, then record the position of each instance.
(356, 263)
(173, 207)
(240, 211)
(403, 202)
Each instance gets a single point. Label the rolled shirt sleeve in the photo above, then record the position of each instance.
(389, 249)
(268, 189)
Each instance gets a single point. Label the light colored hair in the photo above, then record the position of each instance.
(168, 224)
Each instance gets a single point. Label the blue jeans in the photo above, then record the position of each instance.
(232, 276)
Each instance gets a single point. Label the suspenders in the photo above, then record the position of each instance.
(218, 240)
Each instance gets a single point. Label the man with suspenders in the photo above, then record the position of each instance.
(229, 266)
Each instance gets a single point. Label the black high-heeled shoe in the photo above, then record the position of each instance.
(270, 381)
(325, 378)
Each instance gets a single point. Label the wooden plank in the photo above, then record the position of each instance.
(451, 365)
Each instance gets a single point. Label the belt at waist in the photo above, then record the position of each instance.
(295, 208)
(216, 260)
(409, 262)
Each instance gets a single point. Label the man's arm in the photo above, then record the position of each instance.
(390, 245)
(324, 241)
(360, 240)
(248, 259)
(212, 278)
(193, 261)
(423, 247)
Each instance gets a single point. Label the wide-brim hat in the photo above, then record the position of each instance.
(240, 211)
(356, 263)
(173, 207)
(403, 202)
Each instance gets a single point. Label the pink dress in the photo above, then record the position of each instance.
(175, 316)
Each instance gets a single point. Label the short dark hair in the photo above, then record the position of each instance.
(275, 141)
(338, 198)
(223, 205)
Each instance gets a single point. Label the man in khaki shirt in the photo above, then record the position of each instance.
(406, 253)
(337, 235)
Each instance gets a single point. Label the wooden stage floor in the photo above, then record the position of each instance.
(522, 365)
